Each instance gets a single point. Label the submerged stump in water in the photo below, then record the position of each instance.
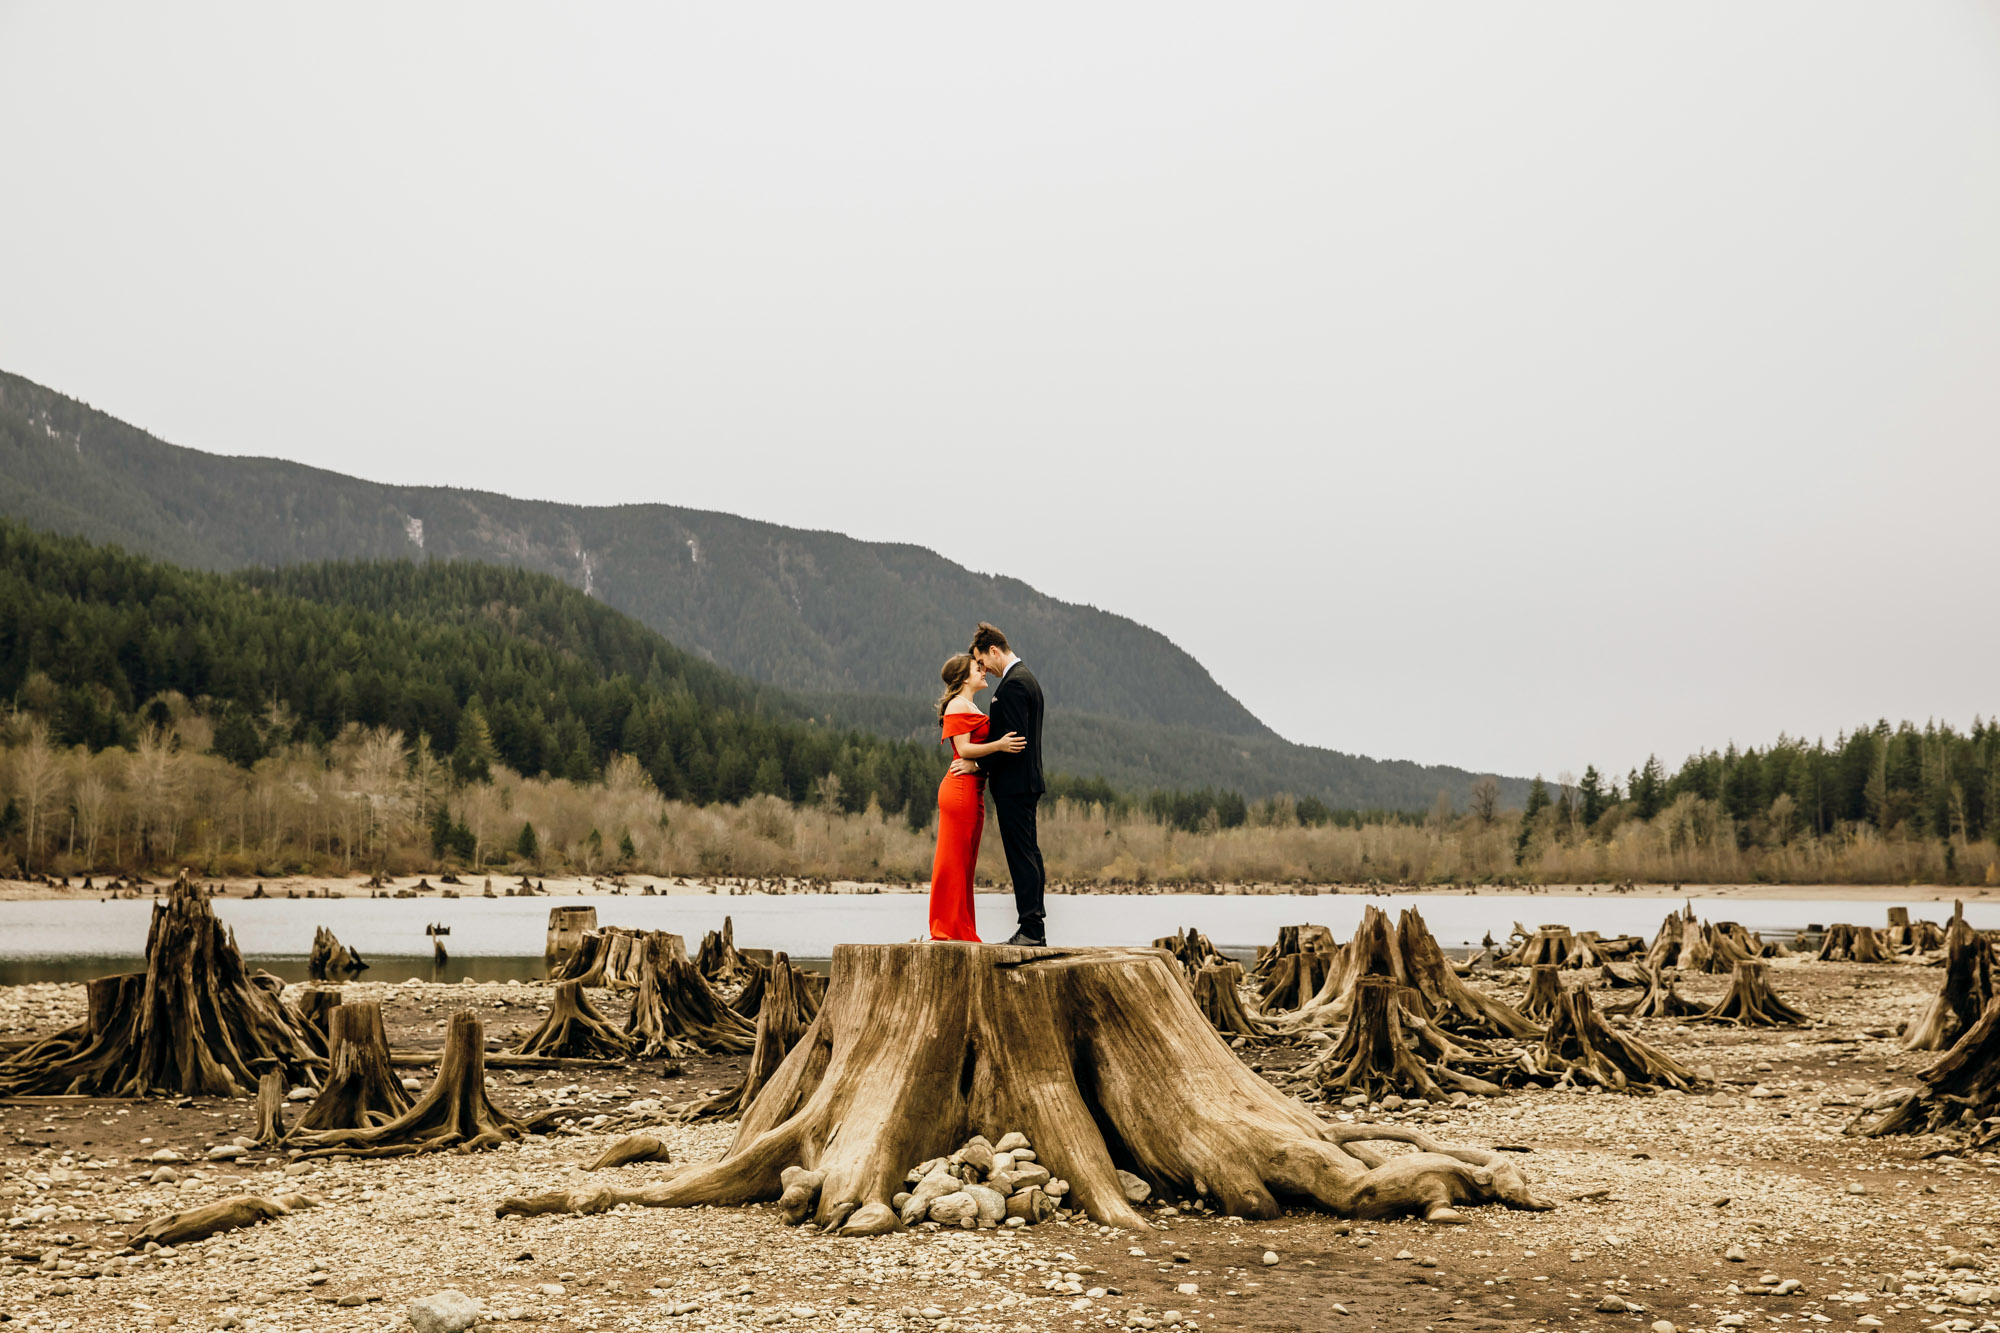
(1098, 1056)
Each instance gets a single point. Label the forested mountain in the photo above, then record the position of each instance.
(860, 626)
(493, 665)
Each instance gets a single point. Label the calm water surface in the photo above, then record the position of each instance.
(499, 938)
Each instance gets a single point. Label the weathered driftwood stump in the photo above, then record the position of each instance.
(1549, 946)
(1751, 1002)
(803, 991)
(454, 1113)
(238, 1210)
(1661, 1000)
(612, 957)
(1544, 992)
(270, 1108)
(781, 1021)
(1292, 979)
(1580, 1044)
(1961, 1087)
(1099, 1056)
(330, 958)
(193, 1023)
(1386, 1049)
(718, 959)
(310, 1014)
(1216, 993)
(1190, 947)
(1966, 991)
(675, 1012)
(361, 1089)
(1611, 978)
(574, 1029)
(1449, 1000)
(1847, 943)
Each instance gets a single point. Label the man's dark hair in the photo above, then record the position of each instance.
(986, 637)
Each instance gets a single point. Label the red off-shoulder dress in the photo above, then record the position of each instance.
(961, 819)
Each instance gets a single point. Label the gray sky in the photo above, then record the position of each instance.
(1517, 385)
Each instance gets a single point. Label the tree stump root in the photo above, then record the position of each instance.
(1099, 1056)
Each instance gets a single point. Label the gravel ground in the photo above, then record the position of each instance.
(1657, 1193)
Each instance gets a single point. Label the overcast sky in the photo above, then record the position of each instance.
(1518, 386)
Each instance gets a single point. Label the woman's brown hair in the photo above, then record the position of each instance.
(957, 670)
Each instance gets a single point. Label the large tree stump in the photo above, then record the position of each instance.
(454, 1113)
(1962, 1087)
(1586, 1050)
(310, 1013)
(330, 958)
(1292, 979)
(1857, 944)
(1386, 1049)
(675, 1012)
(781, 1020)
(613, 957)
(1449, 1000)
(270, 1108)
(718, 959)
(1099, 1056)
(574, 1029)
(1666, 947)
(1190, 947)
(1966, 991)
(1751, 1002)
(361, 1090)
(1544, 992)
(193, 1023)
(1549, 946)
(803, 991)
(1661, 1000)
(1216, 993)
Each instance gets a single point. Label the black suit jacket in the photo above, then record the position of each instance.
(1017, 706)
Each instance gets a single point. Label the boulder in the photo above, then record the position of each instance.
(449, 1311)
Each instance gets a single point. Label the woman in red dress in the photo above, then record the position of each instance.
(961, 800)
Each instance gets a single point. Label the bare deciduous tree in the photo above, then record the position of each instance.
(1486, 800)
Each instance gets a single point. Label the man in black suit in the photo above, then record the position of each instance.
(1016, 779)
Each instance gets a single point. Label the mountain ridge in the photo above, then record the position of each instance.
(810, 611)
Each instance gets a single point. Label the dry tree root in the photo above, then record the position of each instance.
(239, 1210)
(1661, 1000)
(454, 1113)
(1966, 991)
(675, 1011)
(1098, 1056)
(780, 1024)
(1961, 1086)
(331, 958)
(631, 1148)
(361, 1089)
(195, 1022)
(575, 1029)
(1544, 992)
(1751, 1002)
(1582, 1048)
(1217, 995)
(1612, 979)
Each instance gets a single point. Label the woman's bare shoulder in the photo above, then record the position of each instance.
(961, 706)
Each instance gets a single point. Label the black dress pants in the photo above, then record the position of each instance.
(1015, 813)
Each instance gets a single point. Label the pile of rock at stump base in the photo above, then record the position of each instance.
(982, 1185)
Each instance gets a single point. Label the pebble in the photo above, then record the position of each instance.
(1734, 1254)
(552, 1289)
(1270, 1258)
(1663, 1326)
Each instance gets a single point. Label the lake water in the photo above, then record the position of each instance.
(499, 938)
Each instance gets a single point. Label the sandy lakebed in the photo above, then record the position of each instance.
(1655, 1193)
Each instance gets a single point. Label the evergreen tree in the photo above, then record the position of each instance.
(528, 847)
(1590, 791)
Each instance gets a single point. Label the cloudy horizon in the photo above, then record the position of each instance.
(1511, 389)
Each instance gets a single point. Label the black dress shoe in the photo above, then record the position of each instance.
(1024, 938)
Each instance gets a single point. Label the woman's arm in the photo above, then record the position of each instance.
(965, 747)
